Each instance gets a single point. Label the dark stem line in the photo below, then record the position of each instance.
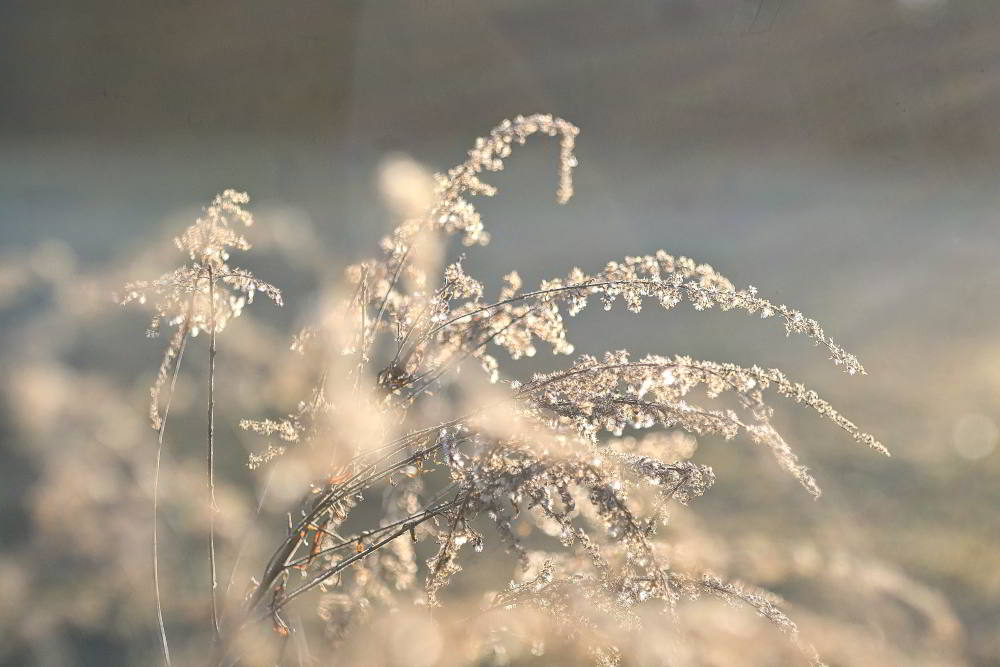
(212, 507)
(368, 533)
(279, 560)
(326, 574)
(223, 649)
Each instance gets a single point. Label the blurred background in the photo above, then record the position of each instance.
(841, 156)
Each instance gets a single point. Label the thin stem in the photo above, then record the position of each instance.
(363, 285)
(344, 564)
(363, 535)
(392, 283)
(212, 507)
(223, 648)
(156, 497)
(279, 560)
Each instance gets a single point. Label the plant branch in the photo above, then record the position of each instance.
(212, 507)
(156, 495)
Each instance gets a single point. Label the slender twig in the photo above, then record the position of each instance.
(363, 303)
(156, 496)
(279, 560)
(344, 564)
(388, 290)
(212, 507)
(363, 535)
(223, 648)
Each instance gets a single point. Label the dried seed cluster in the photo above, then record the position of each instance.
(554, 455)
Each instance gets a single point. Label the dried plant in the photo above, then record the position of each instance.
(415, 465)
(203, 295)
